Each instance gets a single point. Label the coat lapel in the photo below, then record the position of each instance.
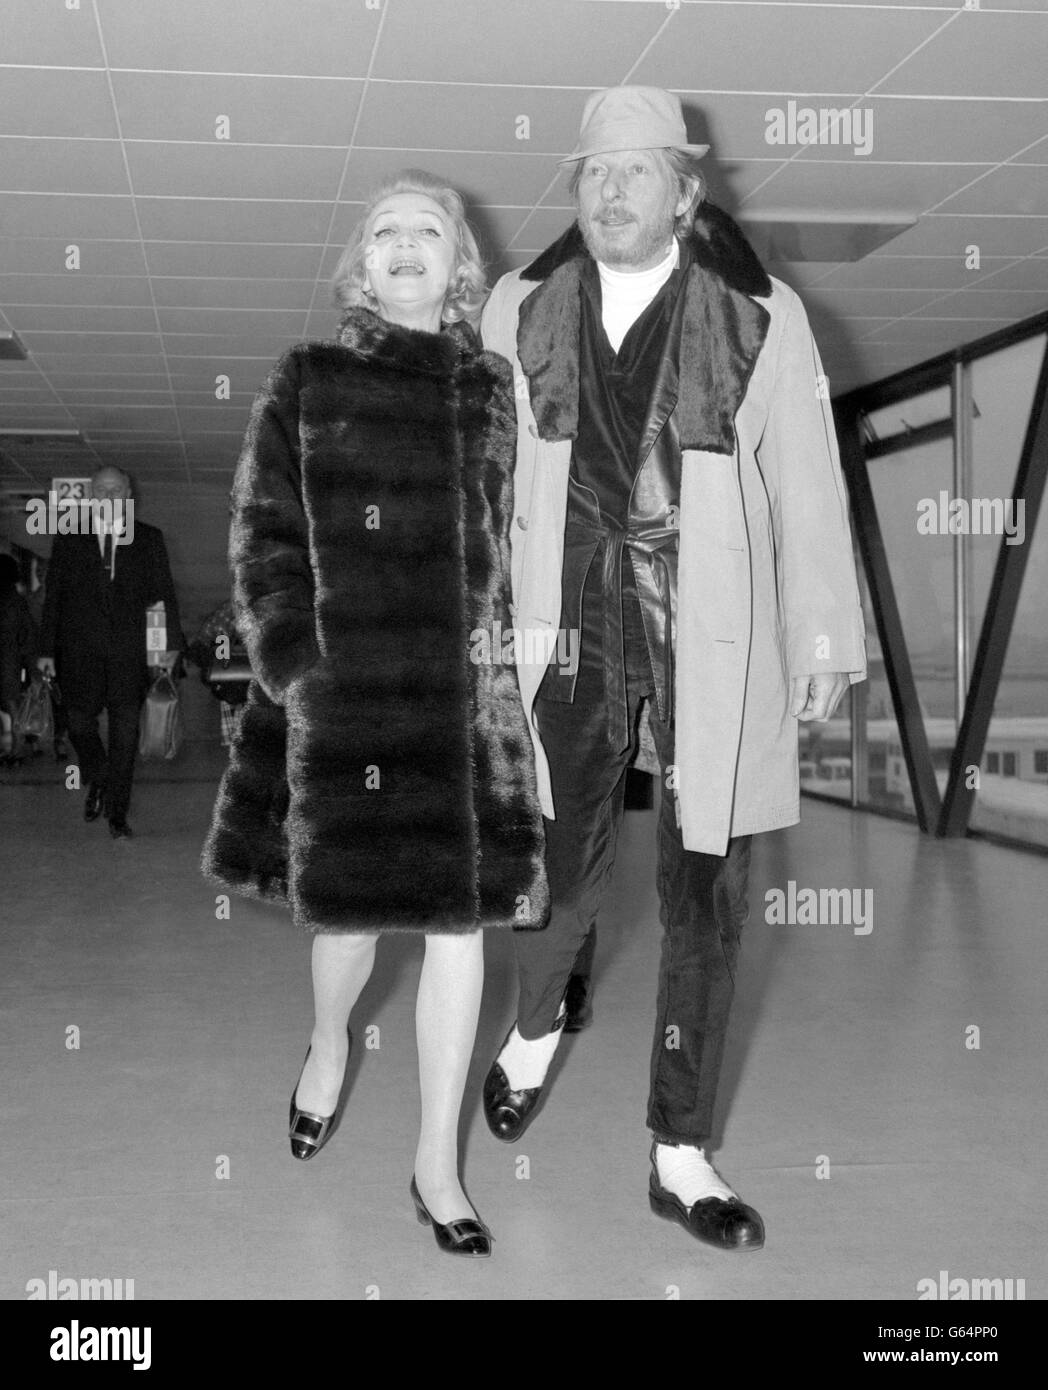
(722, 336)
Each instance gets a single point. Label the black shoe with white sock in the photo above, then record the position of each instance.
(513, 1085)
(685, 1187)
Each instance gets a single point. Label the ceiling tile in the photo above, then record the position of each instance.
(34, 101)
(81, 218)
(240, 171)
(234, 37)
(1031, 274)
(229, 345)
(1003, 43)
(191, 259)
(188, 219)
(851, 186)
(902, 273)
(47, 256)
(943, 131)
(225, 321)
(506, 179)
(29, 319)
(73, 287)
(856, 303)
(994, 303)
(62, 166)
(66, 382)
(937, 234)
(129, 364)
(187, 292)
(1019, 188)
(515, 119)
(267, 110)
(49, 35)
(769, 48)
(558, 43)
(131, 343)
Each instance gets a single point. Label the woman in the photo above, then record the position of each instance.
(381, 779)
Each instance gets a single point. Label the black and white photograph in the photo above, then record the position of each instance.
(523, 669)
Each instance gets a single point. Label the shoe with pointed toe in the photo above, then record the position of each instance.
(728, 1225)
(307, 1132)
(467, 1236)
(119, 829)
(93, 801)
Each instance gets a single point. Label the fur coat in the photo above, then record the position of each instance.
(382, 776)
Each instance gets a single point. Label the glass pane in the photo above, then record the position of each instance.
(906, 489)
(1002, 393)
(925, 409)
(1012, 797)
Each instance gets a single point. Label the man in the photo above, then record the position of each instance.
(679, 500)
(99, 586)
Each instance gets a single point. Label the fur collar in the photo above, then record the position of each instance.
(374, 339)
(723, 331)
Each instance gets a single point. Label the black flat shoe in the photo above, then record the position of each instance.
(308, 1132)
(509, 1112)
(468, 1236)
(119, 829)
(578, 1001)
(727, 1225)
(93, 801)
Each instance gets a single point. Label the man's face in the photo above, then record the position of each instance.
(110, 486)
(628, 202)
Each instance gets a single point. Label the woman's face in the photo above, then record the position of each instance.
(409, 257)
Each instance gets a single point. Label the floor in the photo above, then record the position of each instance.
(155, 1049)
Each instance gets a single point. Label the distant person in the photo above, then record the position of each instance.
(93, 636)
(35, 599)
(17, 648)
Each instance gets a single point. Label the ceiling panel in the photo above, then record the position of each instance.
(61, 166)
(47, 255)
(50, 35)
(81, 218)
(1022, 189)
(240, 36)
(222, 260)
(39, 101)
(188, 219)
(556, 43)
(979, 55)
(769, 47)
(234, 171)
(245, 110)
(73, 288)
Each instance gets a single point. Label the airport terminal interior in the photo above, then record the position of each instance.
(177, 185)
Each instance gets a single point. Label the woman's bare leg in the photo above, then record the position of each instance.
(446, 1028)
(341, 966)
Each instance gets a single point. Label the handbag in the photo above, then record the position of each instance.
(161, 728)
(33, 717)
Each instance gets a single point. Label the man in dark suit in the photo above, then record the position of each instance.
(94, 636)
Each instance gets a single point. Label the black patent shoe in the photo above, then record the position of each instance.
(119, 829)
(93, 801)
(730, 1225)
(308, 1132)
(508, 1112)
(578, 1001)
(468, 1236)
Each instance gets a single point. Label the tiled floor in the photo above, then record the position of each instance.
(848, 1056)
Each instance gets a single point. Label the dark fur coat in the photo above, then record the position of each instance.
(381, 777)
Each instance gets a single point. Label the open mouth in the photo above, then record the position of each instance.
(405, 266)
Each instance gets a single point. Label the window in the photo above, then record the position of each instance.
(1008, 768)
(993, 762)
(1040, 761)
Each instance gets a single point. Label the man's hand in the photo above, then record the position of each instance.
(816, 697)
(46, 665)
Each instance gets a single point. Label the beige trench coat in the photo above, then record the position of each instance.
(767, 586)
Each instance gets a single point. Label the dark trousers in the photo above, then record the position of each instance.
(702, 900)
(114, 770)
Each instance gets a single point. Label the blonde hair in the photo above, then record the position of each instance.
(683, 166)
(467, 288)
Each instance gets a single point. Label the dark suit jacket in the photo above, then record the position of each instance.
(94, 627)
(17, 644)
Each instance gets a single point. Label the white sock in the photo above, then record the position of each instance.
(525, 1061)
(685, 1172)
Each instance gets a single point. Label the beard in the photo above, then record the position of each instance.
(643, 242)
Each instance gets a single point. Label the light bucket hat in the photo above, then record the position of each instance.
(632, 118)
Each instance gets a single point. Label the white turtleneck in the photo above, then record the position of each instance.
(626, 294)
